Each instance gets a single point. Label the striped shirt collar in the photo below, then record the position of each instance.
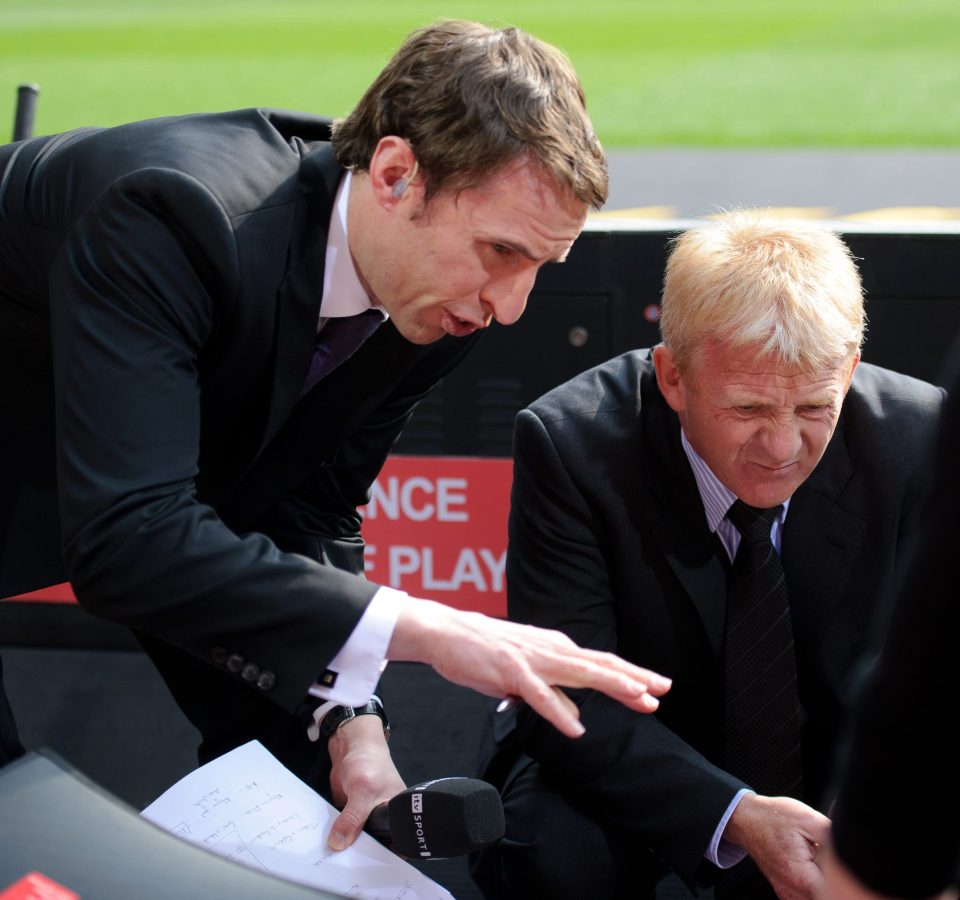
(717, 498)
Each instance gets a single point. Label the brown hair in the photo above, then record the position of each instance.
(470, 99)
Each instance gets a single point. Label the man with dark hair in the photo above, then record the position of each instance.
(196, 396)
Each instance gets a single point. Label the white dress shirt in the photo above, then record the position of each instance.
(361, 659)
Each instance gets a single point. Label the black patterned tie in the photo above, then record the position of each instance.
(762, 711)
(337, 341)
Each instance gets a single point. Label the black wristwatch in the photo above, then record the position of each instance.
(340, 714)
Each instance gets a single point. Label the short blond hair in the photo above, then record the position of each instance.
(469, 100)
(745, 278)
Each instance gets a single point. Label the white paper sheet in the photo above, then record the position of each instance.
(249, 808)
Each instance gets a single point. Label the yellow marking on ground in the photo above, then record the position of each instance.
(791, 212)
(905, 214)
(888, 214)
(637, 212)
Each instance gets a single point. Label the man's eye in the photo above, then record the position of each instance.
(502, 249)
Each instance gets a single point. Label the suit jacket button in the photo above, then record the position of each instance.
(219, 655)
(266, 681)
(250, 672)
(235, 662)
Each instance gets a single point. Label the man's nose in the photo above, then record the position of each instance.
(506, 297)
(781, 440)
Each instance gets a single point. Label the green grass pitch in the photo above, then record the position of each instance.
(695, 73)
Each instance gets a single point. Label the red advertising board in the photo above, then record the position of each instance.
(435, 527)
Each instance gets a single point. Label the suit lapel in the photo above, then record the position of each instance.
(681, 530)
(821, 540)
(298, 299)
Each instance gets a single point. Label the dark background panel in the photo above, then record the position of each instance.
(912, 286)
(604, 300)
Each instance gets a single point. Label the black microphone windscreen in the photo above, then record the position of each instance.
(445, 817)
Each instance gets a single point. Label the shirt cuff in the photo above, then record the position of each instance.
(721, 852)
(360, 661)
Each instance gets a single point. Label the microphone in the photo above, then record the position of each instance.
(440, 818)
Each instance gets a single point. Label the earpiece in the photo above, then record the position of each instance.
(401, 184)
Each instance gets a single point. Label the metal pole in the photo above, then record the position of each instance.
(26, 111)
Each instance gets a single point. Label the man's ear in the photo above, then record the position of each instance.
(669, 378)
(853, 368)
(393, 171)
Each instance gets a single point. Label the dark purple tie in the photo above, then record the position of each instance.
(762, 710)
(337, 341)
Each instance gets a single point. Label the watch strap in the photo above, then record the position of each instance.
(341, 714)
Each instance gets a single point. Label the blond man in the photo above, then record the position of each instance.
(621, 536)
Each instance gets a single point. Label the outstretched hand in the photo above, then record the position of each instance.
(503, 659)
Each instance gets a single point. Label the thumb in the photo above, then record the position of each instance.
(346, 828)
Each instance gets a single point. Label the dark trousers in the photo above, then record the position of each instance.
(553, 848)
(10, 746)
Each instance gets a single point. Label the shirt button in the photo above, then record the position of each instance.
(235, 662)
(266, 681)
(219, 655)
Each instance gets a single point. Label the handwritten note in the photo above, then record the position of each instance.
(247, 807)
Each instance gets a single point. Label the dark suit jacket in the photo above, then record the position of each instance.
(894, 824)
(609, 543)
(160, 286)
